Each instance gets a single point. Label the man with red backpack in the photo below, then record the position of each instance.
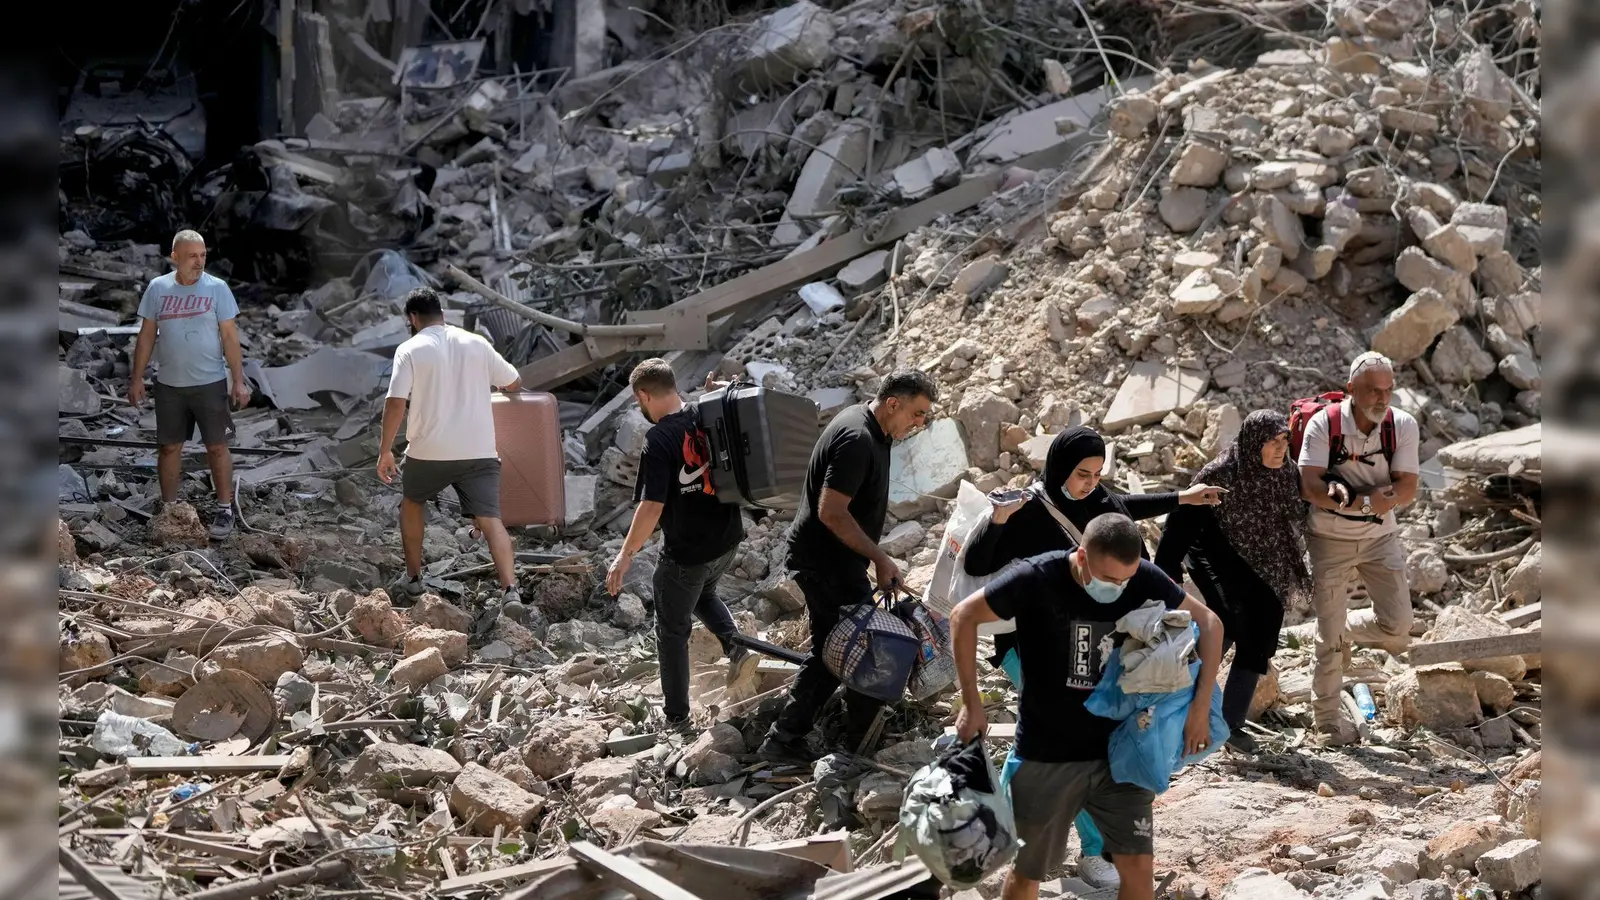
(1358, 464)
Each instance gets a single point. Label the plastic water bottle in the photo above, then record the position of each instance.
(119, 735)
(1364, 701)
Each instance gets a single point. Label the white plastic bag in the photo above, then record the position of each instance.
(956, 818)
(951, 584)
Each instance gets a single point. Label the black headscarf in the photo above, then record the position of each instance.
(1069, 448)
(1262, 515)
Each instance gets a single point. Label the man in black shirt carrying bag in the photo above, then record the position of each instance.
(700, 536)
(834, 538)
(1066, 604)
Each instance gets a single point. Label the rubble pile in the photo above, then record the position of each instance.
(1218, 239)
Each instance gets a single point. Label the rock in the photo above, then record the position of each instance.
(1484, 225)
(1197, 294)
(929, 464)
(1280, 226)
(567, 638)
(835, 161)
(376, 621)
(1259, 884)
(667, 170)
(578, 502)
(348, 571)
(264, 659)
(864, 273)
(83, 649)
(830, 402)
(178, 525)
(294, 691)
(1450, 246)
(784, 592)
(920, 177)
(983, 414)
(1500, 274)
(558, 744)
(1407, 332)
(782, 46)
(433, 611)
(602, 778)
(452, 645)
(1522, 372)
(1437, 697)
(1199, 165)
(903, 539)
(1426, 571)
(1332, 141)
(1461, 846)
(1511, 867)
(1517, 313)
(1459, 358)
(1455, 623)
(981, 276)
(629, 613)
(488, 801)
(1428, 889)
(624, 821)
(1411, 121)
(1150, 391)
(1183, 209)
(708, 754)
(1418, 271)
(1393, 858)
(1522, 585)
(715, 768)
(420, 669)
(1496, 454)
(77, 397)
(1371, 182)
(407, 765)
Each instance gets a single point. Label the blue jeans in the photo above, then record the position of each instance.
(1088, 835)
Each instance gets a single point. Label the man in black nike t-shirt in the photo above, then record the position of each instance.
(700, 536)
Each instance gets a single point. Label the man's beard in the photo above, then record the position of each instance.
(1375, 413)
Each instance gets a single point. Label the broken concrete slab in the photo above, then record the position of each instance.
(782, 46)
(1200, 164)
(77, 397)
(1441, 696)
(1514, 452)
(1197, 294)
(1512, 867)
(1150, 391)
(1183, 209)
(981, 276)
(415, 672)
(492, 803)
(830, 401)
(983, 414)
(920, 177)
(841, 156)
(928, 465)
(1031, 131)
(1407, 332)
(864, 272)
(407, 765)
(347, 374)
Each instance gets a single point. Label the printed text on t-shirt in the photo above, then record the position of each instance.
(184, 306)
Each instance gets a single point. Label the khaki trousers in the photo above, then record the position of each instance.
(1381, 564)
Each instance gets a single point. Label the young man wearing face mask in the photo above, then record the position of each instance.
(834, 538)
(1066, 605)
(700, 536)
(440, 387)
(1352, 530)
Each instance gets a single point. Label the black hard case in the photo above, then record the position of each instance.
(760, 442)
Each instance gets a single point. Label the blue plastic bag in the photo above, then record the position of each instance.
(1147, 748)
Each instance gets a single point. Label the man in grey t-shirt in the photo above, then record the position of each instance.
(188, 322)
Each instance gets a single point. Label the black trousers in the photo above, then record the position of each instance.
(682, 592)
(826, 593)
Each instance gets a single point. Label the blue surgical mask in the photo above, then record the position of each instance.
(1104, 591)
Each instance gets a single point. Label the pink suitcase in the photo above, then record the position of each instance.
(527, 432)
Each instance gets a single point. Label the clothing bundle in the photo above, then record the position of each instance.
(1156, 654)
(956, 819)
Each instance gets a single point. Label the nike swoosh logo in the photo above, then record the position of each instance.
(690, 477)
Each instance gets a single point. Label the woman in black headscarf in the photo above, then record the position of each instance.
(1247, 556)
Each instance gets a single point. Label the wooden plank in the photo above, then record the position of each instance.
(625, 874)
(166, 765)
(1523, 642)
(1005, 731)
(818, 262)
(1523, 615)
(508, 873)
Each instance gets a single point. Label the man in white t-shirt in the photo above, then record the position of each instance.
(447, 373)
(1354, 485)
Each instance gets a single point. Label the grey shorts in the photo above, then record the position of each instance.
(477, 483)
(180, 409)
(1046, 797)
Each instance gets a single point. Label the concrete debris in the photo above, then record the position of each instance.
(1236, 239)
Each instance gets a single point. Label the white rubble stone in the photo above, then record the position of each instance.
(1197, 294)
(783, 45)
(983, 414)
(490, 801)
(1484, 225)
(1448, 245)
(1183, 209)
(1441, 697)
(903, 539)
(1426, 572)
(842, 153)
(1512, 867)
(1407, 332)
(920, 177)
(830, 402)
(930, 464)
(1150, 391)
(580, 500)
(77, 395)
(1259, 884)
(864, 272)
(981, 276)
(1490, 91)
(1522, 371)
(1280, 226)
(1199, 165)
(1459, 358)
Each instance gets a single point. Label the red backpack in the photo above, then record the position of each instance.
(1300, 416)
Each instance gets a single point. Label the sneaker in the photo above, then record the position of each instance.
(1241, 742)
(410, 586)
(1099, 872)
(222, 522)
(741, 663)
(682, 725)
(778, 750)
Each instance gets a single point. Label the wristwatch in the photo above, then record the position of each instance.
(1366, 504)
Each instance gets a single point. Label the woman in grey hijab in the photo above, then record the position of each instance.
(1247, 556)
